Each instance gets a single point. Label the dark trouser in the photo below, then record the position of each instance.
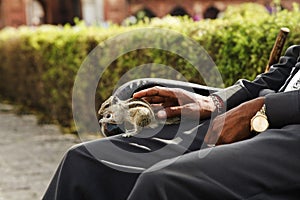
(265, 166)
(108, 168)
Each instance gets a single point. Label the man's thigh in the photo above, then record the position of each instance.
(267, 164)
(108, 168)
(149, 147)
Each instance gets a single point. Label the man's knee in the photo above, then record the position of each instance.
(77, 154)
(150, 185)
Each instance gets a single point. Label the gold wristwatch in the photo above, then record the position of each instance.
(259, 121)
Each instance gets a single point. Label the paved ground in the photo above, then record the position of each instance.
(29, 154)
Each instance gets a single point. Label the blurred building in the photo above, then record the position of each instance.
(36, 12)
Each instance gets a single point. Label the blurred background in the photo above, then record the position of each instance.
(36, 12)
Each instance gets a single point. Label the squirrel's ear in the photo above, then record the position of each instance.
(115, 100)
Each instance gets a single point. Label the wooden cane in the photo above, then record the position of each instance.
(278, 47)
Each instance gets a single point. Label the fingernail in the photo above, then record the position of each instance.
(161, 114)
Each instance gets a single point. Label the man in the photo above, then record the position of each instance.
(242, 165)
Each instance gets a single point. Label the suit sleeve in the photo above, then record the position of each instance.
(283, 108)
(273, 80)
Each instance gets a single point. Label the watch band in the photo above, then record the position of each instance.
(263, 110)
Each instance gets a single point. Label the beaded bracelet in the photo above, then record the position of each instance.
(218, 103)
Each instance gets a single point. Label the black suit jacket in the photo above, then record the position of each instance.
(282, 108)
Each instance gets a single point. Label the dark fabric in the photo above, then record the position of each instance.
(108, 168)
(283, 108)
(263, 167)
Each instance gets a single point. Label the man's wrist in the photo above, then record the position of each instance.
(219, 104)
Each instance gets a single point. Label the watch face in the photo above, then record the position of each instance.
(259, 123)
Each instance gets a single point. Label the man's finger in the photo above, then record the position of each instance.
(211, 138)
(188, 110)
(154, 91)
(170, 112)
(155, 99)
(191, 110)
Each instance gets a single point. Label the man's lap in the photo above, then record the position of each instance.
(262, 165)
(146, 149)
(267, 161)
(93, 169)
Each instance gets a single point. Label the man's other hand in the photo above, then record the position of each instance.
(233, 125)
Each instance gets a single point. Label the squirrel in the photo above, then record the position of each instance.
(134, 113)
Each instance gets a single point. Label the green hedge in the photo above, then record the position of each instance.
(38, 65)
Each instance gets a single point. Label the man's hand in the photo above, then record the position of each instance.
(177, 102)
(233, 125)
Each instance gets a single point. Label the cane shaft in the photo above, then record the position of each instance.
(277, 48)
